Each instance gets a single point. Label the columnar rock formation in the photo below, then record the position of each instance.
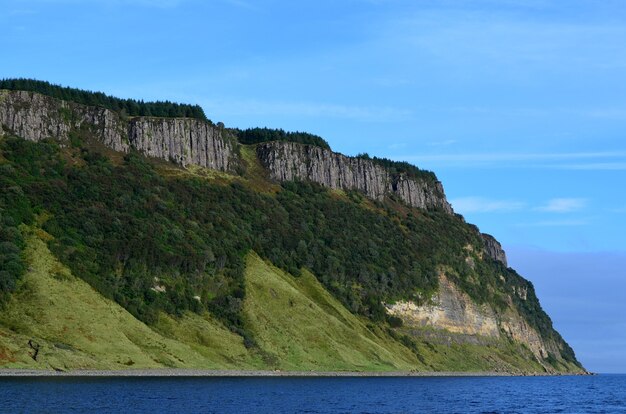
(181, 140)
(187, 141)
(287, 161)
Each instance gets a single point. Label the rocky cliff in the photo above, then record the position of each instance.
(493, 248)
(288, 161)
(452, 310)
(187, 141)
(511, 315)
(181, 140)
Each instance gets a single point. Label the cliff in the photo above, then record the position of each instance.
(452, 311)
(184, 141)
(287, 161)
(187, 141)
(493, 248)
(365, 257)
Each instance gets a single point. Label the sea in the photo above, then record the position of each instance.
(565, 394)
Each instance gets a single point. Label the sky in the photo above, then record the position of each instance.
(519, 106)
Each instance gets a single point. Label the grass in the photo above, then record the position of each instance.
(256, 177)
(76, 328)
(300, 326)
(296, 323)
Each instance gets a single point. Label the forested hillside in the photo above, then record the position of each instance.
(159, 239)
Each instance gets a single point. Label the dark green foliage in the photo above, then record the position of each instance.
(400, 167)
(14, 209)
(256, 135)
(154, 243)
(394, 321)
(130, 107)
(120, 227)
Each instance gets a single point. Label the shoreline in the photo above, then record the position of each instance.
(161, 373)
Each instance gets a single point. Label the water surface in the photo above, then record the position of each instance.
(590, 394)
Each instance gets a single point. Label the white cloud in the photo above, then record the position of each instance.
(443, 143)
(593, 166)
(516, 156)
(563, 205)
(305, 109)
(555, 223)
(466, 205)
(593, 160)
(146, 3)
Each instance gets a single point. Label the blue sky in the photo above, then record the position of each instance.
(519, 106)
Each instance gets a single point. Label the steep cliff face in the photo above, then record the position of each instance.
(452, 310)
(36, 117)
(187, 141)
(493, 248)
(181, 140)
(287, 161)
(449, 309)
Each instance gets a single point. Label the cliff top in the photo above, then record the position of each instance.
(130, 107)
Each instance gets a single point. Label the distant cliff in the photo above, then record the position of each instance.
(184, 141)
(452, 310)
(428, 280)
(287, 161)
(493, 248)
(188, 141)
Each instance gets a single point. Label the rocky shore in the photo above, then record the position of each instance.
(245, 373)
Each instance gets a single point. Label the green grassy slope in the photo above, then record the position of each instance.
(300, 326)
(75, 327)
(296, 323)
(125, 223)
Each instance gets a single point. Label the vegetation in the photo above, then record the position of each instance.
(257, 135)
(297, 323)
(400, 167)
(130, 107)
(173, 244)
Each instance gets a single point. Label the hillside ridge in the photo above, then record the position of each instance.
(190, 141)
(399, 257)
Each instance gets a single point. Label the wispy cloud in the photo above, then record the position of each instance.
(242, 4)
(563, 205)
(443, 143)
(306, 109)
(475, 204)
(592, 166)
(504, 37)
(147, 3)
(598, 160)
(514, 156)
(555, 223)
(466, 205)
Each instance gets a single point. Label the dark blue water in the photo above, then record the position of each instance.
(597, 394)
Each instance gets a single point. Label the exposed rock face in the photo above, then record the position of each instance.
(493, 248)
(181, 140)
(450, 309)
(454, 311)
(186, 141)
(36, 117)
(288, 161)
